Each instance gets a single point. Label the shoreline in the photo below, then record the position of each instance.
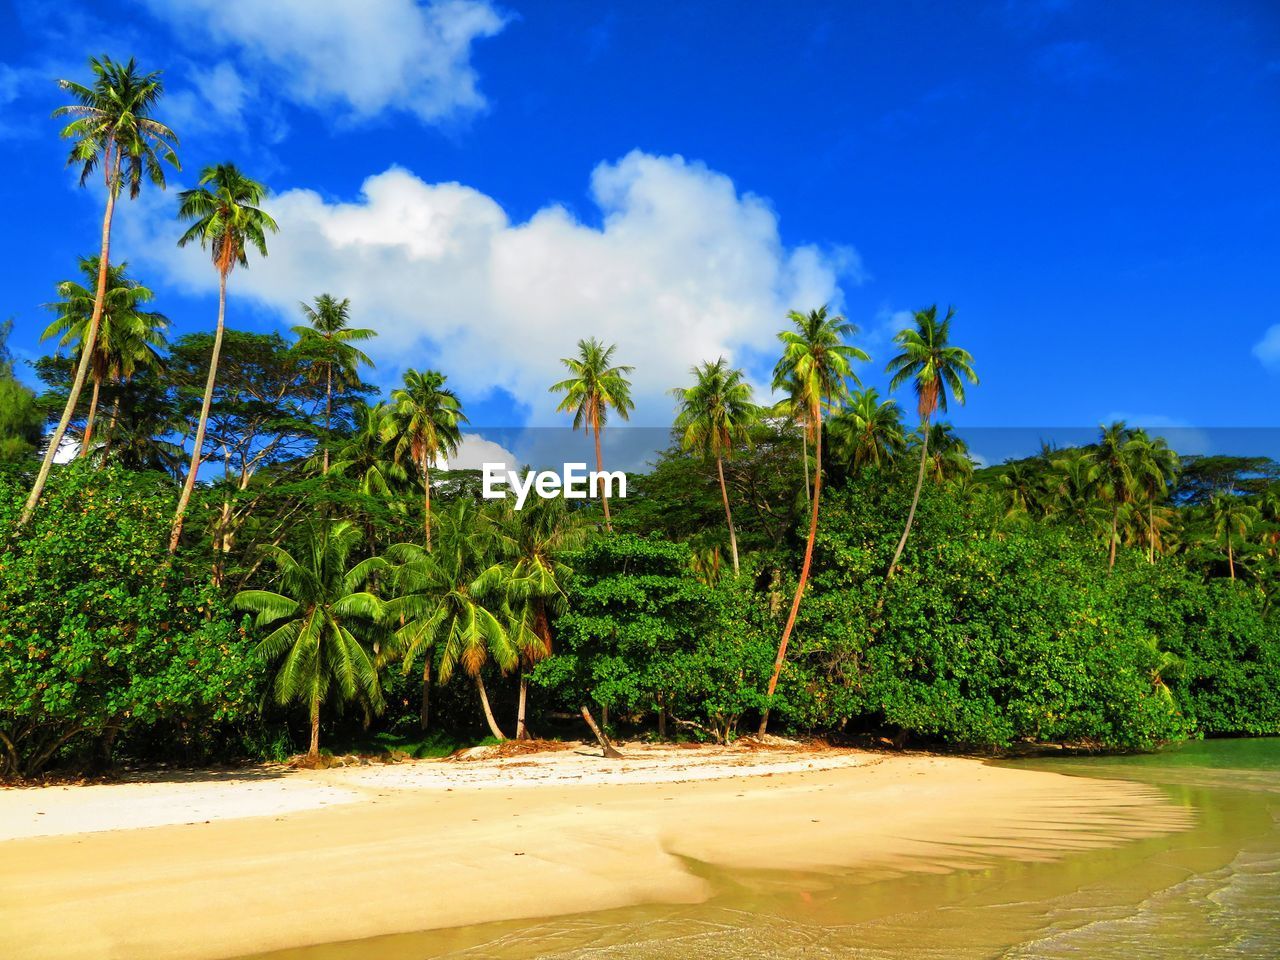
(232, 865)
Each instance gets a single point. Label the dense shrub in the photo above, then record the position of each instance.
(101, 641)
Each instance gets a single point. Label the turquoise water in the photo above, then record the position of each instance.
(1211, 891)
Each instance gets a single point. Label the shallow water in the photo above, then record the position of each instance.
(1211, 891)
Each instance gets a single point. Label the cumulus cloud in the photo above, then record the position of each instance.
(682, 268)
(474, 451)
(1268, 348)
(360, 57)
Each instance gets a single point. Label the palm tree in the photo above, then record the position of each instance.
(454, 599)
(424, 420)
(933, 366)
(226, 207)
(1115, 468)
(367, 454)
(816, 366)
(112, 129)
(1156, 469)
(532, 540)
(324, 623)
(128, 336)
(948, 457)
(868, 432)
(327, 343)
(590, 392)
(715, 414)
(1232, 517)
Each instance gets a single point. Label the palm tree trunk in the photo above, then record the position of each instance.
(175, 535)
(93, 412)
(1115, 529)
(915, 501)
(426, 501)
(604, 496)
(522, 731)
(1231, 561)
(804, 442)
(804, 579)
(728, 514)
(86, 350)
(314, 750)
(424, 714)
(328, 412)
(1151, 532)
(488, 711)
(112, 423)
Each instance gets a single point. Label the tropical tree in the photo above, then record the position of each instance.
(367, 455)
(934, 367)
(948, 457)
(20, 418)
(128, 336)
(454, 604)
(590, 392)
(1156, 470)
(325, 623)
(424, 421)
(327, 342)
(1115, 460)
(532, 540)
(816, 366)
(1232, 517)
(227, 218)
(715, 415)
(112, 129)
(868, 431)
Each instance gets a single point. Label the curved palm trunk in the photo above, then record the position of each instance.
(175, 535)
(86, 355)
(93, 413)
(804, 579)
(424, 714)
(804, 443)
(915, 502)
(728, 514)
(604, 495)
(1231, 560)
(1115, 529)
(488, 711)
(1151, 532)
(314, 750)
(522, 731)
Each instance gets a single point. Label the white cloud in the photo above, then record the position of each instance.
(216, 99)
(475, 451)
(1268, 348)
(361, 57)
(683, 269)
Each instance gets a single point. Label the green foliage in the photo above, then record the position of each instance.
(101, 641)
(20, 418)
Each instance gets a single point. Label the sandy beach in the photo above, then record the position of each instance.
(227, 864)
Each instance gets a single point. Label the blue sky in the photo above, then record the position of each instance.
(1093, 185)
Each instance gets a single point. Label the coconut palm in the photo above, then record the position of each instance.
(325, 623)
(454, 604)
(1231, 517)
(1115, 460)
(368, 455)
(226, 210)
(327, 342)
(933, 368)
(868, 431)
(531, 542)
(424, 421)
(715, 415)
(594, 388)
(816, 366)
(112, 129)
(128, 336)
(948, 457)
(1155, 470)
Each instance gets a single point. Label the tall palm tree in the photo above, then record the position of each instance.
(325, 623)
(816, 366)
(424, 421)
(532, 541)
(128, 336)
(715, 415)
(226, 210)
(1231, 517)
(593, 388)
(868, 432)
(948, 457)
(454, 600)
(327, 342)
(933, 367)
(1156, 469)
(1115, 468)
(367, 455)
(112, 128)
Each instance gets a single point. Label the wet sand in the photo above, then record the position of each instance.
(289, 858)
